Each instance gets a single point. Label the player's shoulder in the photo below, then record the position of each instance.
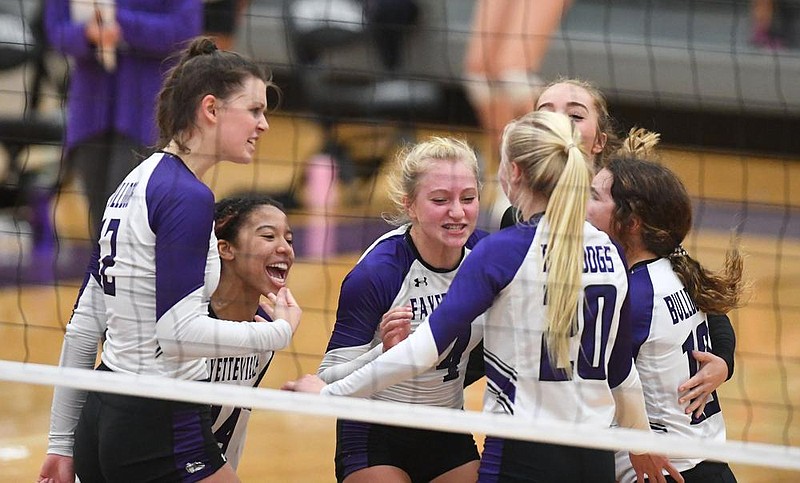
(390, 249)
(390, 256)
(596, 236)
(476, 236)
(657, 276)
(171, 178)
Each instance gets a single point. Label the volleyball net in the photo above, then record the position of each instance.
(728, 110)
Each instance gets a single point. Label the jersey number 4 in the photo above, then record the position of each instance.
(450, 362)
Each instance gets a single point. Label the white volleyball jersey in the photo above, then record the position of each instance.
(504, 276)
(161, 198)
(158, 266)
(147, 287)
(230, 422)
(522, 380)
(667, 327)
(391, 274)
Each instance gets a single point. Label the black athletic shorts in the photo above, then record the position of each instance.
(707, 472)
(219, 16)
(517, 461)
(125, 438)
(422, 454)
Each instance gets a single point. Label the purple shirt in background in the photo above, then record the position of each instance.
(123, 101)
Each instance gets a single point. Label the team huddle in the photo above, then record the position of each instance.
(584, 307)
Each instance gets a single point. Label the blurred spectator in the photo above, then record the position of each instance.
(221, 19)
(111, 98)
(508, 43)
(507, 46)
(766, 30)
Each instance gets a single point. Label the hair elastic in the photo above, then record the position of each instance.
(679, 251)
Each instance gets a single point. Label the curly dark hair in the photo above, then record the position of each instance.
(231, 212)
(652, 195)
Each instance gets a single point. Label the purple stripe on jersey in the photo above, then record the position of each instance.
(620, 361)
(189, 446)
(488, 269)
(501, 381)
(641, 296)
(262, 313)
(491, 460)
(368, 291)
(92, 270)
(620, 252)
(180, 211)
(352, 447)
(476, 236)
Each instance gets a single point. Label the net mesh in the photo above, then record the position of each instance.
(727, 108)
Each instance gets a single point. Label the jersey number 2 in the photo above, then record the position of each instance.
(107, 260)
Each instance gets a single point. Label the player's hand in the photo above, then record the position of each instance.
(309, 383)
(395, 326)
(285, 307)
(695, 392)
(56, 469)
(651, 465)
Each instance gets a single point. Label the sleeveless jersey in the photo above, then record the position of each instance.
(390, 274)
(667, 327)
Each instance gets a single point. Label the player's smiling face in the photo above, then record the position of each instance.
(576, 103)
(242, 121)
(263, 252)
(444, 210)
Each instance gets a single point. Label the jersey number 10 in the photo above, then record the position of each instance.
(598, 314)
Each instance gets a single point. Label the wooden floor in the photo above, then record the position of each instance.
(759, 403)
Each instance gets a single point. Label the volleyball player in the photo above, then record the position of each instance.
(586, 105)
(399, 280)
(645, 206)
(149, 283)
(256, 254)
(543, 361)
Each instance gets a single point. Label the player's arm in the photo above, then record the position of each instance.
(626, 386)
(723, 340)
(623, 378)
(340, 363)
(182, 220)
(365, 295)
(395, 327)
(79, 350)
(472, 292)
(716, 366)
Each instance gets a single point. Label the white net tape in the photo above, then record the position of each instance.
(410, 415)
